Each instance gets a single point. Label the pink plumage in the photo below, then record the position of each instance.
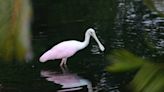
(62, 50)
(67, 49)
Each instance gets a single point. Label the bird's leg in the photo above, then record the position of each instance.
(63, 61)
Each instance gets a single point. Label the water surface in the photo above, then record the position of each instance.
(119, 24)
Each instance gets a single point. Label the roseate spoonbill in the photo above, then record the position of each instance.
(67, 49)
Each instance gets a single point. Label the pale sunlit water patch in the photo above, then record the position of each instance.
(95, 49)
(159, 4)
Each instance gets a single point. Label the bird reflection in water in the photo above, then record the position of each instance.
(69, 81)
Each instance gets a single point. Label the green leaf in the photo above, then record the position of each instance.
(150, 78)
(123, 61)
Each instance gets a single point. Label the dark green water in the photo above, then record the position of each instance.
(119, 24)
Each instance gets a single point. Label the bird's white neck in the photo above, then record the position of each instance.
(90, 32)
(86, 40)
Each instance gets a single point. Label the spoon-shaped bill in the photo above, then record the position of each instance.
(98, 42)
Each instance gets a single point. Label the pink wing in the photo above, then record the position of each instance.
(64, 49)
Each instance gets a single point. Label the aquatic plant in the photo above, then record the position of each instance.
(149, 77)
(15, 18)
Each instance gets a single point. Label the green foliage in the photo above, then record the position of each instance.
(124, 61)
(150, 4)
(150, 76)
(14, 29)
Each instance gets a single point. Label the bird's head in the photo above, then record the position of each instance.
(92, 32)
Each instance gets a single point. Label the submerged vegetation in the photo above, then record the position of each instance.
(149, 76)
(14, 30)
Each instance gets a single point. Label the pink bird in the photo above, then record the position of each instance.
(67, 49)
